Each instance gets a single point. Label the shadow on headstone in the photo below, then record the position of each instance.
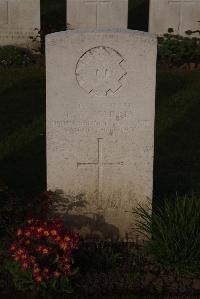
(91, 225)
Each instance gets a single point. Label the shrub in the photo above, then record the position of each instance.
(13, 56)
(173, 233)
(176, 50)
(41, 257)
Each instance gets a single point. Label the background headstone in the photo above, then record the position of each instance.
(181, 15)
(100, 125)
(97, 14)
(20, 23)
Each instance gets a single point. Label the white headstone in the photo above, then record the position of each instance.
(181, 15)
(100, 123)
(97, 14)
(20, 23)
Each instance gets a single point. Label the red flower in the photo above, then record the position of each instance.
(67, 238)
(40, 230)
(35, 242)
(36, 270)
(64, 246)
(25, 265)
(46, 233)
(57, 274)
(38, 279)
(13, 248)
(30, 221)
(32, 260)
(53, 232)
(27, 242)
(21, 251)
(45, 251)
(67, 269)
(19, 232)
(57, 239)
(27, 233)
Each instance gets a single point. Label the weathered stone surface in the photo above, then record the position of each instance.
(100, 125)
(97, 14)
(181, 15)
(19, 21)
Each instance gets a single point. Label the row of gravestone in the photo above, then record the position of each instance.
(20, 19)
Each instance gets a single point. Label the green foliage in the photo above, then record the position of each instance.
(24, 283)
(13, 56)
(176, 50)
(22, 130)
(23, 280)
(177, 127)
(173, 233)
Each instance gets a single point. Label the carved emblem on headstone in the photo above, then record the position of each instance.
(100, 71)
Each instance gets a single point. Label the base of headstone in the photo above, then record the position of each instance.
(100, 127)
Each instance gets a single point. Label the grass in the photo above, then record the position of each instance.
(177, 129)
(173, 233)
(22, 129)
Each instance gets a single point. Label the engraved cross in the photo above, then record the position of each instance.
(100, 165)
(97, 3)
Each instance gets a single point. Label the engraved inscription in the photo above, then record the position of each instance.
(100, 71)
(109, 121)
(100, 164)
(4, 12)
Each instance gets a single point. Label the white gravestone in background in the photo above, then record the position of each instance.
(181, 15)
(19, 21)
(100, 124)
(97, 14)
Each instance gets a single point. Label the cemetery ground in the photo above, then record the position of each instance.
(176, 170)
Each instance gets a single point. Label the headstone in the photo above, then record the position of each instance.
(181, 15)
(100, 125)
(20, 23)
(97, 14)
